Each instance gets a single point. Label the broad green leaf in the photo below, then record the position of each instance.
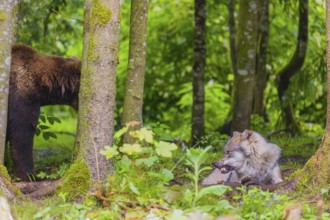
(145, 134)
(124, 164)
(120, 133)
(130, 148)
(147, 161)
(167, 174)
(198, 156)
(165, 148)
(109, 152)
(217, 190)
(133, 188)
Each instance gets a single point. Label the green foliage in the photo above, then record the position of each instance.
(137, 164)
(258, 204)
(42, 127)
(54, 175)
(195, 158)
(52, 26)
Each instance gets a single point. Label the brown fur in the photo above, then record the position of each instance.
(36, 80)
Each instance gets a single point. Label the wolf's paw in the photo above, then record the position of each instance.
(245, 180)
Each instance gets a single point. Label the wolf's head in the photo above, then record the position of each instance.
(248, 151)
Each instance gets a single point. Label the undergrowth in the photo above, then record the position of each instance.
(156, 179)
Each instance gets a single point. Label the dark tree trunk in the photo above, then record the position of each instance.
(197, 129)
(232, 34)
(293, 67)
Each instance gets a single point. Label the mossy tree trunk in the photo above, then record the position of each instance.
(316, 172)
(198, 72)
(244, 81)
(98, 85)
(261, 72)
(133, 101)
(292, 68)
(8, 24)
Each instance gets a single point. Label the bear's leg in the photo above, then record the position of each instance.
(23, 120)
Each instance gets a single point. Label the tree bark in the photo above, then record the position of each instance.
(232, 34)
(197, 128)
(261, 73)
(133, 101)
(8, 27)
(316, 173)
(293, 67)
(244, 80)
(98, 85)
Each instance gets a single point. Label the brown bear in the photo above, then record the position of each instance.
(36, 80)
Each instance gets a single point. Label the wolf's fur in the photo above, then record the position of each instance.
(248, 154)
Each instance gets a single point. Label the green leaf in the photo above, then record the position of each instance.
(133, 188)
(38, 131)
(131, 148)
(165, 148)
(217, 190)
(198, 156)
(109, 152)
(42, 175)
(44, 127)
(147, 161)
(120, 133)
(124, 164)
(47, 135)
(145, 134)
(42, 118)
(167, 175)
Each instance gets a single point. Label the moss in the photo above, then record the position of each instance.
(101, 14)
(3, 16)
(316, 172)
(7, 181)
(77, 180)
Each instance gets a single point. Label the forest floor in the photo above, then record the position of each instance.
(53, 156)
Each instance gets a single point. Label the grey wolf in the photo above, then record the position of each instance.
(247, 156)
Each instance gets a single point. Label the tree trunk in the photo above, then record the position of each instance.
(98, 85)
(244, 82)
(261, 73)
(197, 128)
(232, 34)
(8, 25)
(133, 101)
(293, 67)
(316, 173)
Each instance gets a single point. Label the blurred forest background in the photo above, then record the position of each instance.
(56, 27)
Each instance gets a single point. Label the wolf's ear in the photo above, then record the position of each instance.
(235, 133)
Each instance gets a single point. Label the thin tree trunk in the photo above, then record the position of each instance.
(232, 34)
(98, 85)
(197, 128)
(261, 74)
(293, 67)
(244, 80)
(133, 101)
(8, 26)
